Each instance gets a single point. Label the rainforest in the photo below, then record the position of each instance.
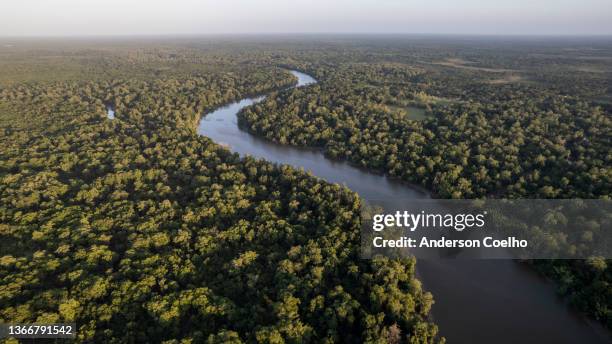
(210, 189)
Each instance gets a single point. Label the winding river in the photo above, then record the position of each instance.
(477, 301)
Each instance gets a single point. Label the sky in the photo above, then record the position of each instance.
(169, 17)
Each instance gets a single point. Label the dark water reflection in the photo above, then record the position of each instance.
(477, 301)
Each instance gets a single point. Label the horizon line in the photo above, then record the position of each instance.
(159, 35)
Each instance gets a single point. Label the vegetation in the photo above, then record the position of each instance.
(139, 230)
(543, 135)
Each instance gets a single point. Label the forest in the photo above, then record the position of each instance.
(494, 127)
(139, 230)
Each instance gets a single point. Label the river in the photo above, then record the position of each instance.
(110, 112)
(477, 301)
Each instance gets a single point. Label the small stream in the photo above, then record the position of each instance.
(110, 112)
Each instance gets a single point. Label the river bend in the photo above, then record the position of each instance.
(477, 301)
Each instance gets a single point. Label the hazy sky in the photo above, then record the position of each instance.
(122, 17)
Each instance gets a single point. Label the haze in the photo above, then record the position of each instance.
(154, 17)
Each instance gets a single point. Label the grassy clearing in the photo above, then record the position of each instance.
(463, 64)
(508, 79)
(412, 112)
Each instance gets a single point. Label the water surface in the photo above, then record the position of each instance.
(110, 112)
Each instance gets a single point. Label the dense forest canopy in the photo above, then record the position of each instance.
(137, 228)
(524, 121)
(140, 230)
